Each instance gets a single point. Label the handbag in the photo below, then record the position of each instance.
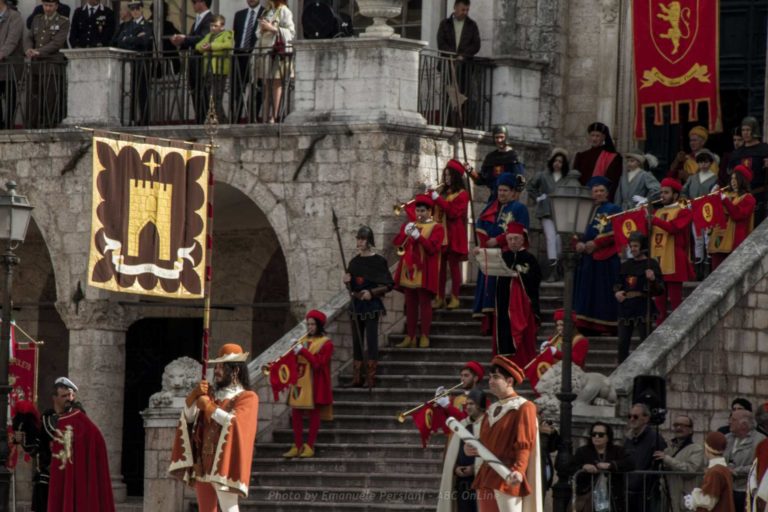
(601, 501)
(278, 47)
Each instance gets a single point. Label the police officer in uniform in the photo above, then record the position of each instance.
(42, 44)
(137, 35)
(93, 26)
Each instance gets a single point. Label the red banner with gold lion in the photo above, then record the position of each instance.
(676, 47)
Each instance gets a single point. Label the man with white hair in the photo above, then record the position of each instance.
(740, 452)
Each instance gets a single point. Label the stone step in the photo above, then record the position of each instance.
(405, 381)
(359, 480)
(348, 498)
(410, 448)
(371, 407)
(401, 395)
(438, 342)
(364, 421)
(449, 355)
(345, 464)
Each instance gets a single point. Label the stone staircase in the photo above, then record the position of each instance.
(365, 460)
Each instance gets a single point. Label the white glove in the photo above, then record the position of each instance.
(688, 501)
(297, 348)
(553, 350)
(639, 200)
(722, 196)
(543, 346)
(435, 195)
(541, 198)
(444, 402)
(440, 390)
(409, 226)
(415, 234)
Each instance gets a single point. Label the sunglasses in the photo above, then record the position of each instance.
(599, 434)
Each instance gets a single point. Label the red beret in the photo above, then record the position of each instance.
(716, 442)
(319, 316)
(423, 199)
(456, 166)
(475, 368)
(560, 315)
(510, 366)
(672, 183)
(744, 171)
(516, 228)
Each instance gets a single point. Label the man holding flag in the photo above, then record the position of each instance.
(670, 246)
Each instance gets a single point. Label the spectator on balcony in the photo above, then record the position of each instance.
(137, 35)
(93, 26)
(62, 9)
(216, 48)
(246, 101)
(45, 96)
(11, 51)
(276, 32)
(200, 29)
(458, 34)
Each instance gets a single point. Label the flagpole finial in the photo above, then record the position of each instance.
(211, 119)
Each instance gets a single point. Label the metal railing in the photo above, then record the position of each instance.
(633, 491)
(176, 87)
(474, 80)
(33, 93)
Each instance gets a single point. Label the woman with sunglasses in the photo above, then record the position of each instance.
(598, 455)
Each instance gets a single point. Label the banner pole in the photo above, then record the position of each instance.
(211, 128)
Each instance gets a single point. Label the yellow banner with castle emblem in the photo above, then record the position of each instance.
(150, 217)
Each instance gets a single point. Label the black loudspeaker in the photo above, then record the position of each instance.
(651, 391)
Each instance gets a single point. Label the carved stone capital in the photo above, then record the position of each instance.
(100, 315)
(610, 11)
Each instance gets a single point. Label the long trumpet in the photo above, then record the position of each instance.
(401, 417)
(398, 208)
(266, 368)
(401, 247)
(604, 219)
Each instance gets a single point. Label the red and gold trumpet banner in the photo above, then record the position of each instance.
(676, 47)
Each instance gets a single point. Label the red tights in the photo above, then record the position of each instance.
(452, 260)
(297, 416)
(418, 301)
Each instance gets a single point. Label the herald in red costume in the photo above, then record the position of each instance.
(670, 240)
(418, 270)
(79, 467)
(740, 210)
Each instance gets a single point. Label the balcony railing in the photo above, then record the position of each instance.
(177, 88)
(474, 81)
(33, 94)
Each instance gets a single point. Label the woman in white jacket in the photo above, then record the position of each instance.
(273, 64)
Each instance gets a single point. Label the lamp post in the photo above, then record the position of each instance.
(15, 212)
(572, 210)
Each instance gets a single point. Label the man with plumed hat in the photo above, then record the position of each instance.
(753, 155)
(684, 165)
(418, 270)
(491, 232)
(213, 447)
(670, 246)
(716, 491)
(502, 160)
(471, 375)
(601, 159)
(598, 270)
(510, 431)
(740, 214)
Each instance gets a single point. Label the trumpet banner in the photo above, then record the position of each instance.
(708, 212)
(536, 368)
(149, 218)
(283, 373)
(676, 49)
(22, 377)
(626, 223)
(429, 419)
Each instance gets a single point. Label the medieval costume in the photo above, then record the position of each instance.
(757, 486)
(510, 430)
(539, 188)
(740, 210)
(636, 185)
(213, 445)
(716, 492)
(701, 184)
(579, 344)
(671, 225)
(753, 155)
(36, 441)
(456, 406)
(79, 466)
(492, 224)
(602, 160)
(517, 304)
(450, 211)
(634, 286)
(368, 273)
(684, 167)
(418, 272)
(594, 302)
(313, 393)
(497, 163)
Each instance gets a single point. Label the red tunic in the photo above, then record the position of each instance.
(321, 372)
(451, 212)
(678, 229)
(597, 161)
(579, 348)
(420, 266)
(742, 215)
(605, 247)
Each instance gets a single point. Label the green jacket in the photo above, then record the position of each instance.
(222, 45)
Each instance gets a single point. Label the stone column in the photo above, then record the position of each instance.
(366, 80)
(516, 100)
(97, 365)
(608, 64)
(94, 83)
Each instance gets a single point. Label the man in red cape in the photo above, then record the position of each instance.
(79, 467)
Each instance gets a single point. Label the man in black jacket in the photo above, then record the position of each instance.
(93, 25)
(200, 29)
(459, 33)
(246, 23)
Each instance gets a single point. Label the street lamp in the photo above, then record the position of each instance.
(572, 207)
(15, 212)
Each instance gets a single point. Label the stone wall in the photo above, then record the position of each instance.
(714, 347)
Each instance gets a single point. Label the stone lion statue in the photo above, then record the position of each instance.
(179, 377)
(590, 388)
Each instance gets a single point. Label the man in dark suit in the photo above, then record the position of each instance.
(62, 9)
(11, 61)
(246, 23)
(137, 35)
(93, 25)
(200, 29)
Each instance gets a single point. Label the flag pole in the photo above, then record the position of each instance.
(211, 129)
